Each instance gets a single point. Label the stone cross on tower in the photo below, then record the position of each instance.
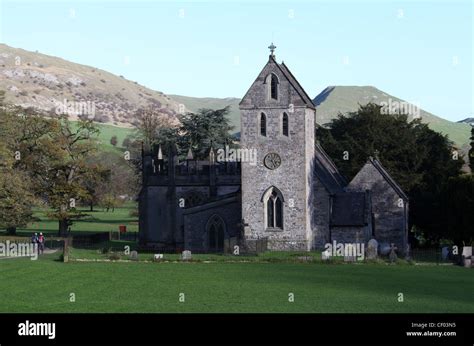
(272, 48)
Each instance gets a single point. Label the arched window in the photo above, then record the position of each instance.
(285, 124)
(263, 124)
(273, 200)
(272, 86)
(215, 232)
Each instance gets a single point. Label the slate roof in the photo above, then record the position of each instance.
(349, 209)
(295, 84)
(326, 171)
(376, 163)
(291, 79)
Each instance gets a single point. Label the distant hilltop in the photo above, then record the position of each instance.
(32, 79)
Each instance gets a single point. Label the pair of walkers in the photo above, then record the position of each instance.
(38, 239)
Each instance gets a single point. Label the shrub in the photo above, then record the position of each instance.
(114, 257)
(113, 140)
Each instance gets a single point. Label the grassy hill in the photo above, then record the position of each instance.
(193, 104)
(106, 133)
(469, 121)
(342, 99)
(32, 79)
(334, 100)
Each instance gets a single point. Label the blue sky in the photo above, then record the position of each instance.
(419, 51)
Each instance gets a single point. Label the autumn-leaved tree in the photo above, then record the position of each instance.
(16, 198)
(154, 126)
(69, 168)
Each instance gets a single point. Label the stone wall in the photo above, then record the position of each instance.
(156, 220)
(320, 215)
(196, 218)
(296, 152)
(389, 209)
(352, 234)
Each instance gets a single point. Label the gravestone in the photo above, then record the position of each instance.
(467, 255)
(408, 252)
(392, 256)
(186, 255)
(134, 256)
(445, 253)
(384, 249)
(350, 259)
(372, 249)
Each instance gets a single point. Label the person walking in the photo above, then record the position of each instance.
(41, 243)
(34, 238)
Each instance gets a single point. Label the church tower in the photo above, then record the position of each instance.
(277, 120)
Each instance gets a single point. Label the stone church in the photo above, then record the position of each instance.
(292, 197)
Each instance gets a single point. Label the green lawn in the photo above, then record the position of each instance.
(106, 133)
(45, 285)
(97, 221)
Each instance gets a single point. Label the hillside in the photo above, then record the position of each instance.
(193, 104)
(469, 121)
(32, 79)
(342, 99)
(339, 99)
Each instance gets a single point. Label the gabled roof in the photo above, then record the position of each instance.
(295, 84)
(326, 171)
(349, 209)
(376, 163)
(291, 79)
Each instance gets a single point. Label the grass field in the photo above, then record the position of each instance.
(106, 133)
(219, 283)
(45, 285)
(97, 221)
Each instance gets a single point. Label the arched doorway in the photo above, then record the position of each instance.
(215, 234)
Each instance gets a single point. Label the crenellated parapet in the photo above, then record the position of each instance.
(163, 167)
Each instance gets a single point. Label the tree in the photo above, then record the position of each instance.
(471, 151)
(126, 142)
(94, 179)
(151, 124)
(419, 159)
(110, 202)
(68, 169)
(113, 140)
(51, 163)
(111, 176)
(16, 198)
(207, 127)
(458, 206)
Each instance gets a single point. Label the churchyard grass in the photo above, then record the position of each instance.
(45, 285)
(98, 221)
